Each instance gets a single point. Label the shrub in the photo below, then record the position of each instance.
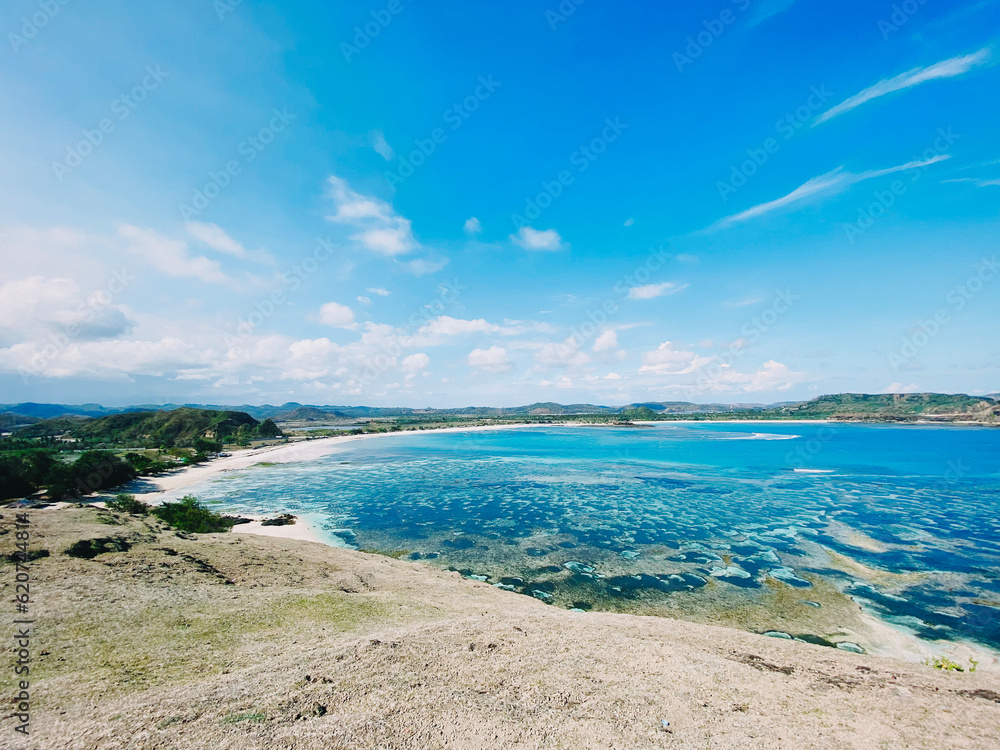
(943, 662)
(125, 503)
(88, 549)
(187, 514)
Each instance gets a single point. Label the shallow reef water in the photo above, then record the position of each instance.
(903, 519)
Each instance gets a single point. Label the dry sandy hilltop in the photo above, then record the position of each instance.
(230, 641)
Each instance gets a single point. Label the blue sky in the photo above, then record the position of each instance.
(494, 203)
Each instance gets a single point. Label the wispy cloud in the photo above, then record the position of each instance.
(379, 229)
(381, 145)
(743, 302)
(950, 68)
(976, 181)
(170, 256)
(216, 238)
(652, 291)
(831, 183)
(768, 10)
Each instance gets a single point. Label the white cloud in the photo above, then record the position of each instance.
(831, 183)
(380, 229)
(381, 145)
(651, 291)
(364, 300)
(629, 221)
(416, 362)
(39, 307)
(445, 325)
(493, 359)
(950, 68)
(396, 240)
(773, 376)
(607, 341)
(437, 331)
(170, 256)
(379, 291)
(473, 226)
(533, 239)
(337, 316)
(665, 360)
(353, 207)
(564, 354)
(770, 377)
(900, 388)
(214, 236)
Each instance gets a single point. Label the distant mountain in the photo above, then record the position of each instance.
(308, 414)
(47, 411)
(900, 406)
(686, 407)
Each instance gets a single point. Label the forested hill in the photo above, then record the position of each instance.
(894, 405)
(181, 427)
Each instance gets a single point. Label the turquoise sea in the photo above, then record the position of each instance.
(623, 517)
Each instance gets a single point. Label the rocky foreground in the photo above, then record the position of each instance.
(232, 641)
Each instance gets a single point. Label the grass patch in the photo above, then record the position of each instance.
(155, 645)
(247, 716)
(396, 554)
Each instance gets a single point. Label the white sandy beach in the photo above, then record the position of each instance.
(168, 484)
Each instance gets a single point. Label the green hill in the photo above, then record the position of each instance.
(177, 428)
(892, 405)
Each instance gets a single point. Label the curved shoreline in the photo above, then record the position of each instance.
(893, 640)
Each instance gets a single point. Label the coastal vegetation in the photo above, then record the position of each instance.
(187, 514)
